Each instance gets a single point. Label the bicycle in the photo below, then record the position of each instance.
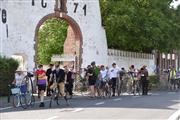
(30, 89)
(56, 94)
(22, 93)
(18, 96)
(136, 87)
(106, 89)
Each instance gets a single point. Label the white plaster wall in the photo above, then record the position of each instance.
(126, 62)
(22, 20)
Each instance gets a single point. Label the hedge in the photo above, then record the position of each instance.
(8, 67)
(153, 82)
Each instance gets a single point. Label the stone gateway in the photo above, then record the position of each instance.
(21, 21)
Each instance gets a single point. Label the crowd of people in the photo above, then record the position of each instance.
(97, 78)
(54, 76)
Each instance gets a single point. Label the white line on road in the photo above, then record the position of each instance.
(171, 93)
(154, 94)
(51, 118)
(175, 116)
(117, 99)
(100, 103)
(136, 96)
(78, 110)
(5, 108)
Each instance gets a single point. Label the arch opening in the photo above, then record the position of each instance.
(73, 42)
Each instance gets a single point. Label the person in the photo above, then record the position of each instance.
(103, 77)
(144, 80)
(18, 81)
(90, 75)
(114, 71)
(41, 83)
(173, 81)
(49, 75)
(59, 76)
(70, 81)
(96, 71)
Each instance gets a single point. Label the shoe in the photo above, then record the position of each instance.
(65, 98)
(56, 98)
(113, 95)
(41, 104)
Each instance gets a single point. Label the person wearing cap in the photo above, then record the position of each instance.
(144, 79)
(114, 74)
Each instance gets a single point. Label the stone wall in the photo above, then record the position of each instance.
(126, 59)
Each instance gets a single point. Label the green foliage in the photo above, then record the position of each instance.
(52, 35)
(8, 67)
(141, 25)
(153, 82)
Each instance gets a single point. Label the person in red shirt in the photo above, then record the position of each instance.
(41, 83)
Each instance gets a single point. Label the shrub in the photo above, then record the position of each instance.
(8, 67)
(153, 82)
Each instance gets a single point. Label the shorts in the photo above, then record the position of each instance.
(98, 83)
(92, 82)
(173, 81)
(41, 87)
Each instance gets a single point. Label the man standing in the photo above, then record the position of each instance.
(48, 74)
(41, 82)
(59, 76)
(114, 71)
(144, 79)
(70, 81)
(173, 81)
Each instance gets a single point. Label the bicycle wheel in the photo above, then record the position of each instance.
(16, 100)
(23, 101)
(29, 94)
(30, 99)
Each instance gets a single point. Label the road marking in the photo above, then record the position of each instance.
(51, 118)
(171, 93)
(136, 96)
(6, 108)
(154, 94)
(117, 99)
(175, 116)
(78, 110)
(100, 103)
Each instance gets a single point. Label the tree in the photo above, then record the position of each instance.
(52, 35)
(141, 25)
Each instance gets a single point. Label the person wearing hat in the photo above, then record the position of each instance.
(114, 74)
(18, 81)
(144, 79)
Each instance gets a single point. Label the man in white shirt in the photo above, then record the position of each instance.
(114, 71)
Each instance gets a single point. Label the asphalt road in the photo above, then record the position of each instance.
(157, 106)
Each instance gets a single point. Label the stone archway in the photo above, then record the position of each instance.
(74, 29)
